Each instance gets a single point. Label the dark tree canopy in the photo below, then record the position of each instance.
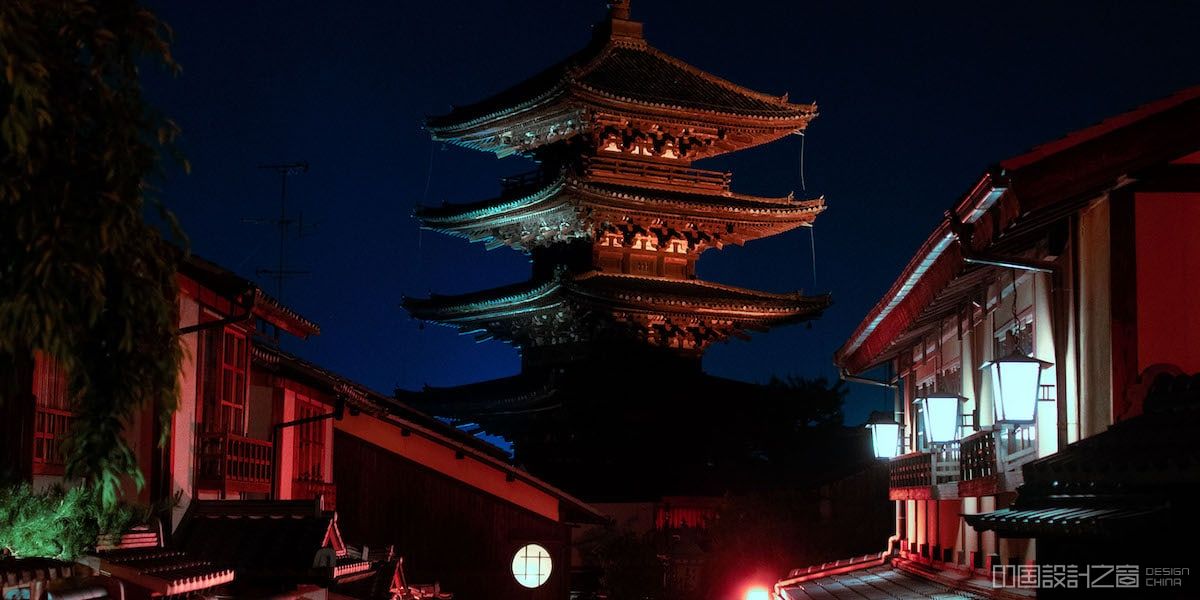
(84, 277)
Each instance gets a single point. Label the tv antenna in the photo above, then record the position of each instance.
(284, 222)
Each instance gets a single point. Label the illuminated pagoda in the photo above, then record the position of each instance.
(614, 220)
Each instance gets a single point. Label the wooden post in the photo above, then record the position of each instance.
(16, 417)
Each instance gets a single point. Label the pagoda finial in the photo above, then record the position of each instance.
(618, 9)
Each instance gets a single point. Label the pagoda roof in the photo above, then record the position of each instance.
(516, 217)
(493, 313)
(619, 72)
(519, 394)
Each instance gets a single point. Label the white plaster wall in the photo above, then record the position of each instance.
(183, 440)
(1095, 326)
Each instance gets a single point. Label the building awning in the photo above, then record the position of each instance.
(1061, 520)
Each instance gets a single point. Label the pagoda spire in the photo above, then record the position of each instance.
(618, 9)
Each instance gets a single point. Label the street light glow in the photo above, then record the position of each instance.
(757, 592)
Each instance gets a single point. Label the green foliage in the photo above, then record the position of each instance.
(83, 276)
(58, 523)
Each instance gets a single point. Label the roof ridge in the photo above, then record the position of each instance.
(795, 295)
(788, 201)
(491, 205)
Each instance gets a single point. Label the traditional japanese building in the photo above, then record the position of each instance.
(269, 458)
(1077, 261)
(614, 220)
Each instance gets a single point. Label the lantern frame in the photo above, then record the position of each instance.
(927, 416)
(880, 423)
(1009, 409)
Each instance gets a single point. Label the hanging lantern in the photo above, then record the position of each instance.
(885, 435)
(1016, 381)
(942, 415)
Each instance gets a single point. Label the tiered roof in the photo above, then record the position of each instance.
(619, 75)
(670, 311)
(575, 206)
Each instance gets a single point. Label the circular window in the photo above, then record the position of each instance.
(531, 566)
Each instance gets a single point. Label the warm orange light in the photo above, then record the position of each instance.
(757, 592)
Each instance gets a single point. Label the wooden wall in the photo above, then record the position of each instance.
(446, 530)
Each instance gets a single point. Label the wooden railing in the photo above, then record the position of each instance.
(926, 469)
(946, 463)
(50, 426)
(603, 167)
(988, 453)
(303, 489)
(978, 456)
(914, 469)
(234, 463)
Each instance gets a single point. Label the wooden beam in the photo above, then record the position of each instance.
(1170, 178)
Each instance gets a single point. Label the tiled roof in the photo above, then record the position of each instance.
(643, 74)
(260, 539)
(226, 282)
(620, 289)
(138, 556)
(1134, 475)
(732, 203)
(1062, 521)
(399, 413)
(625, 68)
(871, 583)
(692, 293)
(1038, 185)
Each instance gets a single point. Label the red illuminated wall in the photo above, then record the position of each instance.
(446, 530)
(1168, 280)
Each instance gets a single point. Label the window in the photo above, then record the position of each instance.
(531, 566)
(223, 380)
(310, 441)
(53, 415)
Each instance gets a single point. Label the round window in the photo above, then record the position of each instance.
(531, 566)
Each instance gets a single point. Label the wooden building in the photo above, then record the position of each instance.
(1081, 254)
(614, 220)
(274, 458)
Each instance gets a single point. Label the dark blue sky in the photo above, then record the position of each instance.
(916, 100)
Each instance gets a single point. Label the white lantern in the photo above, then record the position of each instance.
(942, 414)
(885, 435)
(1016, 381)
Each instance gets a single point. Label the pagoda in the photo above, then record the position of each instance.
(614, 220)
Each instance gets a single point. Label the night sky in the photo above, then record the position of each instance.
(916, 100)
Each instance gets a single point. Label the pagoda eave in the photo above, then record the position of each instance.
(572, 208)
(568, 116)
(554, 312)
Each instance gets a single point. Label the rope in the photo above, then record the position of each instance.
(802, 186)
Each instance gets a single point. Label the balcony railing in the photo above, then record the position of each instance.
(304, 489)
(620, 170)
(978, 456)
(911, 470)
(925, 474)
(50, 426)
(992, 460)
(232, 463)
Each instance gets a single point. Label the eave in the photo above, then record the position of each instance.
(583, 203)
(1018, 200)
(571, 93)
(685, 298)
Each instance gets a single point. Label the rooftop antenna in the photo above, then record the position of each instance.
(284, 222)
